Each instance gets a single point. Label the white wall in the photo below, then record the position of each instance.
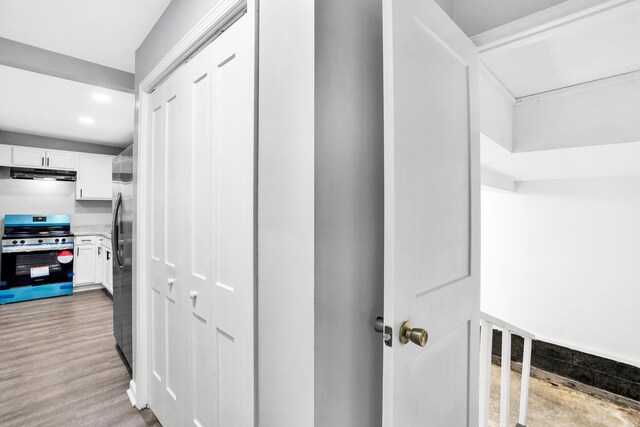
(349, 196)
(588, 115)
(286, 214)
(496, 114)
(562, 260)
(19, 196)
(476, 16)
(28, 140)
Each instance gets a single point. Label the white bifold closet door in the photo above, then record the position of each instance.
(201, 195)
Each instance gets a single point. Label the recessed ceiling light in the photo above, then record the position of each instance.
(86, 120)
(101, 97)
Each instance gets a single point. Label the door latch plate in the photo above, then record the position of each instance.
(388, 336)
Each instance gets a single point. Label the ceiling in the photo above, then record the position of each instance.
(103, 32)
(49, 106)
(590, 48)
(599, 161)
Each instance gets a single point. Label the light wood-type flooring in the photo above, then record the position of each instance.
(59, 365)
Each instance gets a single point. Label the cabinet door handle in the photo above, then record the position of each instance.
(47, 161)
(42, 160)
(78, 253)
(99, 250)
(108, 255)
(81, 193)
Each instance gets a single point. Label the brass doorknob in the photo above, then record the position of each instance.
(417, 336)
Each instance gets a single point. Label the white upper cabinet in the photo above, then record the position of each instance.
(28, 157)
(93, 180)
(94, 177)
(60, 160)
(5, 155)
(41, 158)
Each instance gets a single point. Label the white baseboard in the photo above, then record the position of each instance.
(82, 288)
(131, 393)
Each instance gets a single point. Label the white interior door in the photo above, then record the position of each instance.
(200, 242)
(232, 224)
(202, 237)
(431, 217)
(167, 287)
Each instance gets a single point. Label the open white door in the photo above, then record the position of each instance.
(431, 218)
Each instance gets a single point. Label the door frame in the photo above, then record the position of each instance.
(212, 25)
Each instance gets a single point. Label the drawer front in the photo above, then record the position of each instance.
(85, 240)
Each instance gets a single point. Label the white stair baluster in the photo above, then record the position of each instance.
(505, 378)
(524, 384)
(486, 342)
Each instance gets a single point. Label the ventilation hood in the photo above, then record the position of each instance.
(43, 174)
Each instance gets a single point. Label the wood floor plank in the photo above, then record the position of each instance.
(59, 365)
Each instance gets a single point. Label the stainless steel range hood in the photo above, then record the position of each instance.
(43, 174)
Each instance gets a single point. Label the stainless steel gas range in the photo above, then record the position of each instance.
(37, 257)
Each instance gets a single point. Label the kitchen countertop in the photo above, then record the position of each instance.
(92, 230)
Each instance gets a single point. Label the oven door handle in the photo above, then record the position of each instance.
(115, 230)
(32, 249)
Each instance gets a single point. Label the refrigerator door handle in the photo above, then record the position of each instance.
(115, 230)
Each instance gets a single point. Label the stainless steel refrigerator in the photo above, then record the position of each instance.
(122, 239)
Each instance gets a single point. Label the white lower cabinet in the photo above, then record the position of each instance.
(93, 262)
(85, 265)
(99, 263)
(107, 266)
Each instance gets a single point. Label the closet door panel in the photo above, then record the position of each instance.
(157, 335)
(232, 223)
(174, 231)
(157, 181)
(200, 170)
(202, 237)
(175, 220)
(167, 382)
(156, 267)
(201, 263)
(201, 384)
